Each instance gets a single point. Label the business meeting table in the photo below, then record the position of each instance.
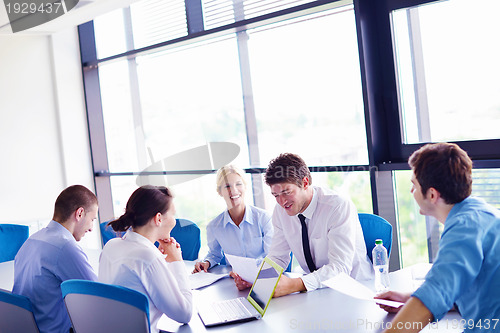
(322, 310)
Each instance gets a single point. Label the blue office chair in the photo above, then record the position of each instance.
(95, 307)
(107, 232)
(12, 237)
(187, 234)
(16, 314)
(375, 227)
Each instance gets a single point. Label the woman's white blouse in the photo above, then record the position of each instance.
(134, 262)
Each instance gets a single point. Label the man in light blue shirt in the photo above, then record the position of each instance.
(466, 272)
(52, 255)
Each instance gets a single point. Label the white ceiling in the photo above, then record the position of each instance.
(84, 11)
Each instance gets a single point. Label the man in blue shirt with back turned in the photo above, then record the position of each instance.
(52, 256)
(466, 272)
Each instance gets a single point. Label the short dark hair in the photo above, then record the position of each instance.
(287, 168)
(70, 199)
(142, 206)
(445, 167)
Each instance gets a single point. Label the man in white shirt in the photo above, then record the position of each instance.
(332, 231)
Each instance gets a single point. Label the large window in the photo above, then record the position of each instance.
(291, 84)
(448, 70)
(353, 89)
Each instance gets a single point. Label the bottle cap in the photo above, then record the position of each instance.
(378, 241)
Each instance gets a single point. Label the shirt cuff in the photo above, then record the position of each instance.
(311, 282)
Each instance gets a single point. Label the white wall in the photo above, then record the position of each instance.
(44, 145)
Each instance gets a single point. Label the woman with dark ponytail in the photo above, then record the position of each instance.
(134, 261)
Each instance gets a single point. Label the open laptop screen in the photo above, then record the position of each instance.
(263, 288)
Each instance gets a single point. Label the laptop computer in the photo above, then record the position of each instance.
(244, 309)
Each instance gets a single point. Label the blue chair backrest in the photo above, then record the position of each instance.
(107, 232)
(187, 234)
(95, 307)
(16, 314)
(12, 237)
(375, 227)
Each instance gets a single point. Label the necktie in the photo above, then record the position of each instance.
(305, 244)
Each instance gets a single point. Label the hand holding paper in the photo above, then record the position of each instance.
(347, 285)
(246, 268)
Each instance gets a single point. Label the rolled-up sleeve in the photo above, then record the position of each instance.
(457, 264)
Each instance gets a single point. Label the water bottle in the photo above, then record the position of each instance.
(380, 266)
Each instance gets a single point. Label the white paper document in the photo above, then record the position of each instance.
(202, 279)
(247, 268)
(347, 285)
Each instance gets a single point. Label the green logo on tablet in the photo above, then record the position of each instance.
(26, 14)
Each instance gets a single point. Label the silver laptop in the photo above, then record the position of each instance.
(244, 309)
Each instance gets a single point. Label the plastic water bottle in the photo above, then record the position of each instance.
(380, 266)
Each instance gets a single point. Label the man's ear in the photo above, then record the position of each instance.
(306, 183)
(433, 194)
(79, 213)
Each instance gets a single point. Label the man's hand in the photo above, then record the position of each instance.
(201, 266)
(240, 283)
(392, 296)
(287, 286)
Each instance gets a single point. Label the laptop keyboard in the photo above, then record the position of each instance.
(231, 309)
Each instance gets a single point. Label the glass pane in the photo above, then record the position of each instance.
(118, 117)
(191, 96)
(447, 67)
(156, 21)
(196, 200)
(307, 89)
(355, 185)
(486, 185)
(110, 34)
(412, 225)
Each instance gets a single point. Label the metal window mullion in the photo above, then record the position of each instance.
(250, 117)
(433, 235)
(386, 198)
(419, 84)
(92, 91)
(135, 98)
(194, 16)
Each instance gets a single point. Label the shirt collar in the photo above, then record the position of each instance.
(309, 211)
(246, 218)
(138, 238)
(61, 229)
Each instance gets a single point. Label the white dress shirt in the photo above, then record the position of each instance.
(335, 237)
(134, 262)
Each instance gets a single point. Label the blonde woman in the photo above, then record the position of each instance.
(242, 230)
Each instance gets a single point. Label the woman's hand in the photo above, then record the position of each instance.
(240, 283)
(201, 266)
(392, 296)
(171, 248)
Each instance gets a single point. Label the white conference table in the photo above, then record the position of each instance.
(322, 310)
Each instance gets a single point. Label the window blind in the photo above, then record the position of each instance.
(156, 21)
(222, 12)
